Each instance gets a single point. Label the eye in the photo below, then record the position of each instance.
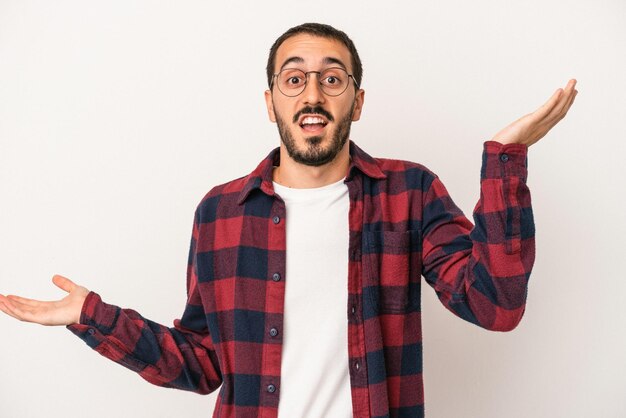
(333, 78)
(294, 80)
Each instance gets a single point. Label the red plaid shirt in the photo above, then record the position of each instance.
(403, 224)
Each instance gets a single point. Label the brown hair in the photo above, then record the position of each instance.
(324, 31)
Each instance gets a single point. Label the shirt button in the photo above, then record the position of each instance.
(91, 331)
(276, 219)
(504, 158)
(273, 332)
(276, 277)
(353, 309)
(357, 366)
(271, 388)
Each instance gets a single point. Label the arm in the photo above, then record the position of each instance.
(481, 272)
(180, 357)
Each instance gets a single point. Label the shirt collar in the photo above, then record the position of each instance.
(261, 177)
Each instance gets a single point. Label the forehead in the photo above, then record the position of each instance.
(314, 51)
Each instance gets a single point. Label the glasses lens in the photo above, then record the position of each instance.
(291, 81)
(334, 81)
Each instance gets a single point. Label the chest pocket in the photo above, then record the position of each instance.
(392, 275)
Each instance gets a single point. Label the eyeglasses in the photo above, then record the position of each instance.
(292, 81)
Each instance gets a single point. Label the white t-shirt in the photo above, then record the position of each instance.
(315, 379)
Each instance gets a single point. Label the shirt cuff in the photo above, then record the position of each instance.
(504, 160)
(97, 320)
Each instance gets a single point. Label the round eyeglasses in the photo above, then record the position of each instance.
(292, 81)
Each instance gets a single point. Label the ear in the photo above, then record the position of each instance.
(358, 105)
(270, 105)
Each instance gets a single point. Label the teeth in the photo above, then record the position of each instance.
(312, 120)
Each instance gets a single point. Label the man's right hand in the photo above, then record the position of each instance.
(61, 312)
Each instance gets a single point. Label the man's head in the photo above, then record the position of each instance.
(314, 48)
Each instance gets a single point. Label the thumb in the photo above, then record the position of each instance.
(63, 282)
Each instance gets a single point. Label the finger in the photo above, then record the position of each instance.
(562, 96)
(18, 304)
(63, 282)
(12, 310)
(561, 109)
(25, 301)
(4, 299)
(548, 106)
(27, 313)
(5, 308)
(556, 112)
(572, 83)
(567, 106)
(567, 98)
(571, 100)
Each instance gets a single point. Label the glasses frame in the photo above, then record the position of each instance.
(306, 80)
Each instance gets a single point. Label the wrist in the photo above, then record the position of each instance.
(79, 305)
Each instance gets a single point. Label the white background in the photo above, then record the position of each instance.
(117, 117)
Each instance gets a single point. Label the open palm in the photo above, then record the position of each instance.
(532, 127)
(65, 311)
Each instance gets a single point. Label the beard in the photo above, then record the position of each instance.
(314, 154)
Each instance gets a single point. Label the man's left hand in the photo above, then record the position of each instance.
(532, 127)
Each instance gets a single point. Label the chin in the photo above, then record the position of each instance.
(314, 140)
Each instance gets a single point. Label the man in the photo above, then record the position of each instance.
(274, 311)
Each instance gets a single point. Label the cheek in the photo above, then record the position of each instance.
(346, 112)
(283, 112)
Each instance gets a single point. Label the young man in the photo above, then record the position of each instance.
(304, 276)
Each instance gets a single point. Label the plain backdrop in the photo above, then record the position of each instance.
(117, 117)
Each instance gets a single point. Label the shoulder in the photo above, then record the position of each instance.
(393, 164)
(219, 195)
(412, 175)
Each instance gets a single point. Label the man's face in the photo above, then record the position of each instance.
(313, 145)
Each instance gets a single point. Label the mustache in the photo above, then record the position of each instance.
(313, 110)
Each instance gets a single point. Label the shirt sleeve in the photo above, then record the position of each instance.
(480, 272)
(180, 357)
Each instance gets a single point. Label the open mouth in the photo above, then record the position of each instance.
(313, 124)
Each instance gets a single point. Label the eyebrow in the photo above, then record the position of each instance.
(327, 61)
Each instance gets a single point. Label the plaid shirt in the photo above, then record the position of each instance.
(403, 224)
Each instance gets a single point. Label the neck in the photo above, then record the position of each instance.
(301, 176)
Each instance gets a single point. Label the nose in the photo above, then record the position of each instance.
(313, 90)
